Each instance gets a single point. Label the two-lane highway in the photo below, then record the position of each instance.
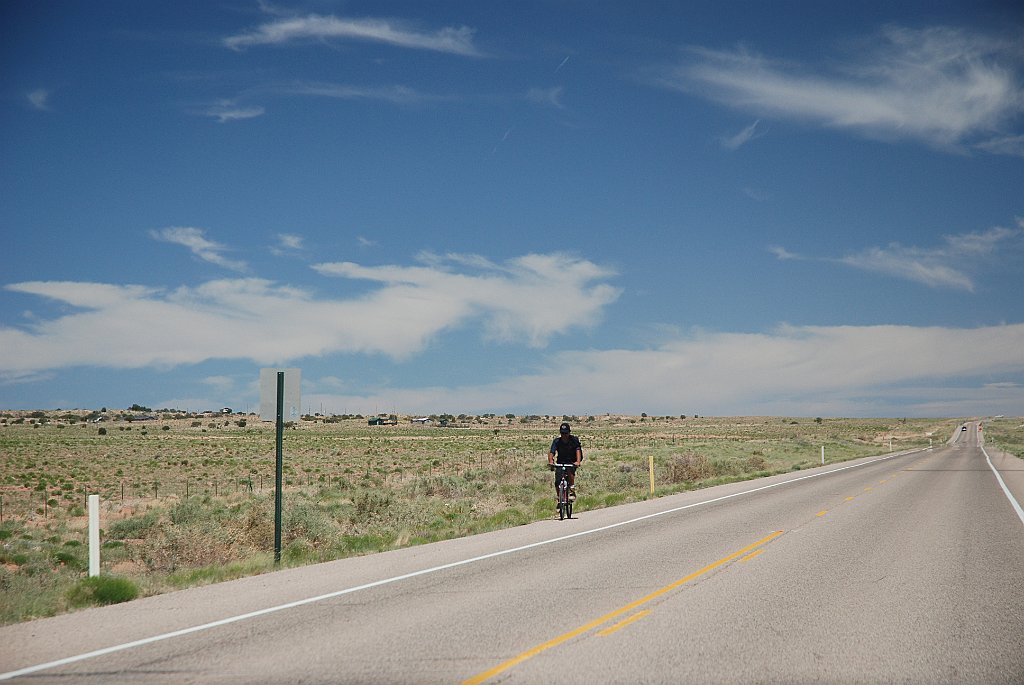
(902, 568)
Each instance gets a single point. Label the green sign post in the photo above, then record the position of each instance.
(279, 472)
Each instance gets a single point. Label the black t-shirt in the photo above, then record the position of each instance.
(565, 450)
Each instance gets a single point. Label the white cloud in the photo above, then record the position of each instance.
(931, 266)
(783, 253)
(806, 371)
(550, 97)
(290, 241)
(740, 139)
(40, 99)
(222, 384)
(910, 264)
(225, 112)
(195, 240)
(947, 87)
(452, 40)
(1012, 145)
(529, 299)
(396, 95)
(288, 244)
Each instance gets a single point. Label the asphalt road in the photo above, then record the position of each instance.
(902, 568)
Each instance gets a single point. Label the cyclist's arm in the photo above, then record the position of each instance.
(579, 456)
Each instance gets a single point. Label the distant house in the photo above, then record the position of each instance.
(376, 421)
(226, 410)
(425, 421)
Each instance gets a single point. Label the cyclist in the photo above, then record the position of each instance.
(566, 449)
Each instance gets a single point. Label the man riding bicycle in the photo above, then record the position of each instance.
(566, 449)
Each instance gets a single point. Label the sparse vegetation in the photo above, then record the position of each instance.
(193, 503)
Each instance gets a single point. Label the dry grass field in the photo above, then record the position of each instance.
(188, 499)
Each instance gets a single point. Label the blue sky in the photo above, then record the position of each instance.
(786, 208)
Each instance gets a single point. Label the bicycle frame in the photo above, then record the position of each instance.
(564, 503)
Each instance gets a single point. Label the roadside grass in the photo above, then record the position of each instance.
(193, 504)
(1005, 433)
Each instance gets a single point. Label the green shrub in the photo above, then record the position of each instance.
(102, 590)
(134, 527)
(68, 559)
(189, 511)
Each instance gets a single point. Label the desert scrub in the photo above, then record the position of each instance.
(133, 526)
(204, 505)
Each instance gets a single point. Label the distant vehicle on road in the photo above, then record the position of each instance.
(963, 428)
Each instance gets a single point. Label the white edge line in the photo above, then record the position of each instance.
(386, 581)
(1002, 484)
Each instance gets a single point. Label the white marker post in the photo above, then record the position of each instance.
(822, 455)
(650, 462)
(94, 535)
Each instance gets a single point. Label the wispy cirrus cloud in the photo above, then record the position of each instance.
(930, 266)
(288, 244)
(195, 240)
(395, 94)
(40, 99)
(551, 97)
(458, 41)
(227, 111)
(950, 88)
(525, 300)
(738, 140)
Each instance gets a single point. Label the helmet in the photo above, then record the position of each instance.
(564, 428)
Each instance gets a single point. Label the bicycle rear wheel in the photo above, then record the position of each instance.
(568, 509)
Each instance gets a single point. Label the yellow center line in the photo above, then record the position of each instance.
(849, 499)
(624, 622)
(751, 556)
(822, 512)
(565, 637)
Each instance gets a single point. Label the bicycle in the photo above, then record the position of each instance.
(564, 500)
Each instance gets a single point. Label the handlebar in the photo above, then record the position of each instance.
(552, 467)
